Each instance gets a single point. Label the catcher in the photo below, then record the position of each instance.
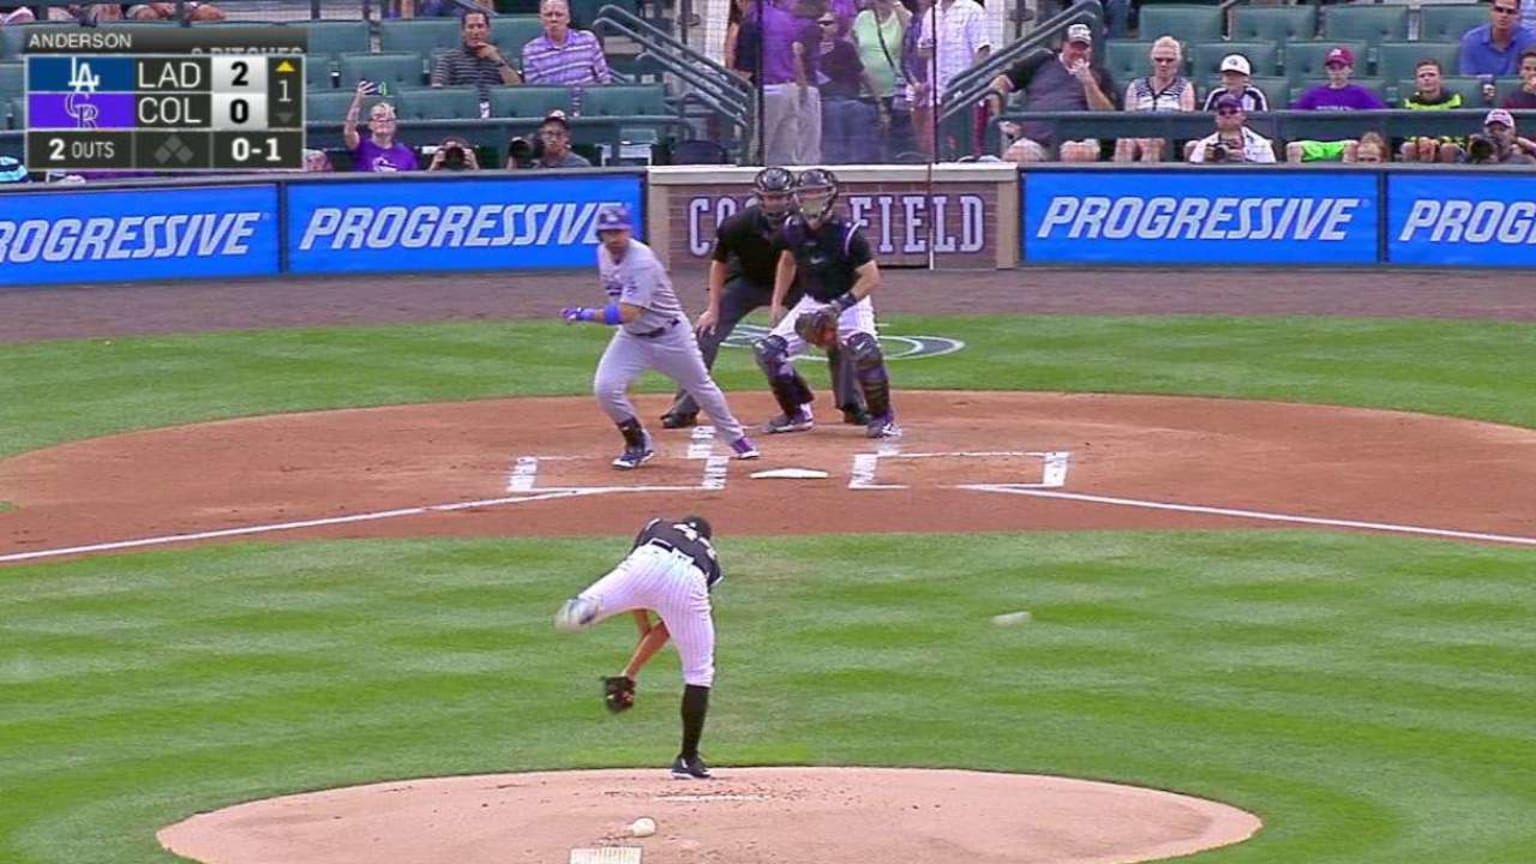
(833, 263)
(671, 568)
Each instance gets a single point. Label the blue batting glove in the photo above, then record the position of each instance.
(576, 313)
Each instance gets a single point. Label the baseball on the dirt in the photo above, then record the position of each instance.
(645, 826)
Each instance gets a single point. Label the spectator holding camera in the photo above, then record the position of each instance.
(1233, 142)
(1498, 144)
(551, 150)
(454, 154)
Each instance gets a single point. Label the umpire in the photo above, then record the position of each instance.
(741, 271)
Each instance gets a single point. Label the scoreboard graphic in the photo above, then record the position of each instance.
(183, 100)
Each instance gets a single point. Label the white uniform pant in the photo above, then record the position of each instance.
(858, 318)
(670, 584)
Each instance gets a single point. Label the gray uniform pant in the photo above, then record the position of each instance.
(740, 299)
(675, 354)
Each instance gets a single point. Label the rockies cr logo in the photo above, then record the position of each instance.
(893, 347)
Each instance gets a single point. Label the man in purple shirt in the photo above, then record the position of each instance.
(789, 46)
(1495, 48)
(1338, 94)
(379, 151)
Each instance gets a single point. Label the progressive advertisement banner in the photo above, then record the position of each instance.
(1255, 216)
(472, 224)
(1463, 220)
(138, 235)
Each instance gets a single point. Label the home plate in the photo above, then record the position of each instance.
(791, 474)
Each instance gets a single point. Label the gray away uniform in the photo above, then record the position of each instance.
(661, 339)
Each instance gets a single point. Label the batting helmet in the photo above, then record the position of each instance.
(774, 188)
(614, 217)
(815, 193)
(701, 525)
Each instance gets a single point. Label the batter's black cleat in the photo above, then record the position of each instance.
(855, 416)
(690, 769)
(679, 421)
(634, 457)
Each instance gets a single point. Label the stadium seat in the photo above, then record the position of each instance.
(584, 12)
(331, 106)
(18, 111)
(1449, 22)
(1262, 56)
(1369, 24)
(1188, 24)
(439, 103)
(14, 36)
(338, 37)
(1125, 61)
(317, 71)
(1277, 24)
(1396, 61)
(698, 151)
(529, 101)
(644, 100)
(1276, 89)
(425, 36)
(400, 69)
(12, 80)
(1304, 62)
(512, 32)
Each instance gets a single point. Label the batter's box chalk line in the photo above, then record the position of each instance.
(607, 855)
(1054, 465)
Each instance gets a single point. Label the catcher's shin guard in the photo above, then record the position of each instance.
(789, 389)
(870, 364)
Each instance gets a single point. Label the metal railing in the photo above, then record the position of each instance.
(711, 84)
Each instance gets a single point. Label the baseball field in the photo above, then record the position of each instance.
(1290, 569)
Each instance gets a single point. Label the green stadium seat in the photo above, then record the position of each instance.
(1186, 23)
(13, 37)
(1264, 57)
(398, 69)
(18, 111)
(1125, 61)
(512, 32)
(1277, 24)
(584, 12)
(1372, 25)
(1276, 89)
(338, 37)
(425, 36)
(12, 80)
(1448, 22)
(530, 101)
(439, 103)
(331, 106)
(620, 100)
(317, 71)
(1396, 61)
(1304, 62)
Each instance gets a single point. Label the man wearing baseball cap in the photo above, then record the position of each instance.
(1338, 94)
(1236, 80)
(1068, 81)
(1498, 144)
(1233, 142)
(553, 149)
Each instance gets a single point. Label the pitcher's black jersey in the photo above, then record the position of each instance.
(681, 537)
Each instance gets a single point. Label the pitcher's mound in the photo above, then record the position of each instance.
(743, 816)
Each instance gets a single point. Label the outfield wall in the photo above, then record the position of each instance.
(949, 217)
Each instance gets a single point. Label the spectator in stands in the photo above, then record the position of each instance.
(791, 103)
(16, 15)
(317, 161)
(879, 32)
(953, 38)
(438, 8)
(914, 70)
(454, 154)
(1066, 81)
(1498, 144)
(1233, 141)
(1371, 150)
(1525, 97)
(564, 54)
(476, 62)
(1495, 48)
(741, 42)
(552, 150)
(1338, 94)
(1430, 95)
(167, 12)
(852, 119)
(1236, 80)
(1164, 90)
(379, 152)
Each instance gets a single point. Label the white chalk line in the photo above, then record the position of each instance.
(1255, 514)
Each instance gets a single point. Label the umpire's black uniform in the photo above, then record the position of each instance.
(744, 243)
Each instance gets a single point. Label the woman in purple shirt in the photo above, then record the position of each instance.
(379, 151)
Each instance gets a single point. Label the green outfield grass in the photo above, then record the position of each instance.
(1373, 699)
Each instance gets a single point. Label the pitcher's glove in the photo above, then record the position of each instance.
(618, 693)
(818, 327)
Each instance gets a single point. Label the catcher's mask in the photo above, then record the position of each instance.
(815, 193)
(775, 189)
(701, 525)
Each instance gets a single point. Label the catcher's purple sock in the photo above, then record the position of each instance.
(695, 706)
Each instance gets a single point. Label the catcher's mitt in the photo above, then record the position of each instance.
(618, 693)
(818, 327)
